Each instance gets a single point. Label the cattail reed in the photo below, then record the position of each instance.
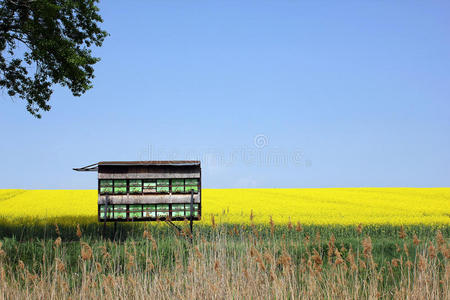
(317, 259)
(21, 265)
(272, 225)
(339, 260)
(306, 239)
(317, 238)
(60, 266)
(198, 253)
(359, 229)
(2, 252)
(402, 233)
(416, 240)
(351, 260)
(395, 262)
(299, 228)
(58, 233)
(79, 233)
(367, 247)
(86, 251)
(432, 250)
(217, 266)
(405, 249)
(98, 266)
(236, 232)
(331, 248)
(213, 221)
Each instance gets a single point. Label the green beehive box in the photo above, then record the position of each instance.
(106, 186)
(177, 210)
(135, 211)
(162, 189)
(177, 182)
(149, 186)
(120, 186)
(191, 187)
(149, 210)
(191, 181)
(162, 186)
(120, 190)
(106, 182)
(177, 206)
(120, 211)
(120, 182)
(106, 190)
(109, 212)
(162, 210)
(135, 182)
(191, 184)
(149, 183)
(188, 210)
(135, 189)
(177, 186)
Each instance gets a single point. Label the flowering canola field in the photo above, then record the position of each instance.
(346, 206)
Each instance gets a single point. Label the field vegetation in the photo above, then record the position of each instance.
(253, 254)
(336, 206)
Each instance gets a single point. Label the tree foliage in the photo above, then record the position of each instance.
(47, 42)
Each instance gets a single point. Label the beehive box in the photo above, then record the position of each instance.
(147, 190)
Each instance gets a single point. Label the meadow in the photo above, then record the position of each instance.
(250, 244)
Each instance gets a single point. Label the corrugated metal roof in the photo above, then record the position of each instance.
(94, 167)
(150, 162)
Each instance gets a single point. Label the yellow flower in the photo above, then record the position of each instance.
(344, 206)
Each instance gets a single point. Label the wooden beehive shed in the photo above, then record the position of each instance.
(148, 190)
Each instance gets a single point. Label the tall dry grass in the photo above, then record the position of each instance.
(230, 264)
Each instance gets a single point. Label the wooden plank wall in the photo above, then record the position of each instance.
(148, 199)
(148, 172)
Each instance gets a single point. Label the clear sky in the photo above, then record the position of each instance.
(266, 93)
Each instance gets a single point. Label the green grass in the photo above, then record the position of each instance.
(33, 244)
(32, 240)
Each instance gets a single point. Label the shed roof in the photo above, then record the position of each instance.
(94, 167)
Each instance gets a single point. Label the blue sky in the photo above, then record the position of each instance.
(265, 93)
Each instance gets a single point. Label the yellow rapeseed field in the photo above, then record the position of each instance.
(346, 206)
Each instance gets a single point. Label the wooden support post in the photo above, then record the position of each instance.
(106, 215)
(192, 212)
